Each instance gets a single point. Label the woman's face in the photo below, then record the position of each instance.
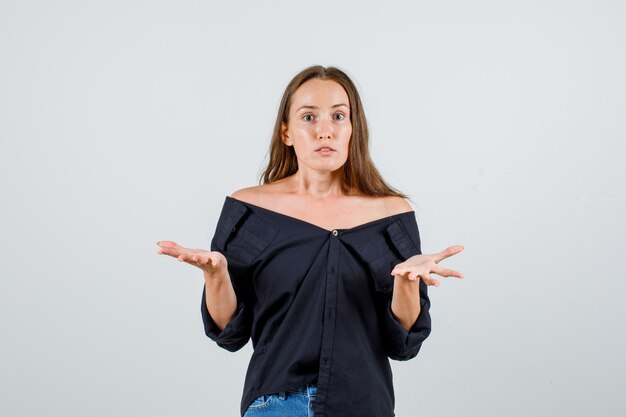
(319, 117)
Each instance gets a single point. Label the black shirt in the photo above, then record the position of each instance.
(317, 305)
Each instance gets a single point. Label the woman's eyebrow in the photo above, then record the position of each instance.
(315, 107)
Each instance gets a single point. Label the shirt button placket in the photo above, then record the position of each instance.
(328, 332)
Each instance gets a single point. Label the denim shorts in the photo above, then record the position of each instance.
(296, 402)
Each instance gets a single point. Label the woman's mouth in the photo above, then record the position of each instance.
(325, 150)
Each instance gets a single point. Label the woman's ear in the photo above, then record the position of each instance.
(283, 133)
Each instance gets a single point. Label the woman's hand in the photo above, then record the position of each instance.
(210, 262)
(422, 265)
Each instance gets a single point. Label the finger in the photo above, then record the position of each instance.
(201, 260)
(414, 275)
(214, 263)
(400, 271)
(167, 244)
(428, 280)
(411, 274)
(445, 272)
(449, 251)
(168, 247)
(173, 247)
(174, 250)
(396, 271)
(190, 259)
(171, 252)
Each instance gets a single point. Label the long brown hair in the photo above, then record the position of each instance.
(359, 172)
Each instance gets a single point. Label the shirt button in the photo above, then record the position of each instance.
(335, 232)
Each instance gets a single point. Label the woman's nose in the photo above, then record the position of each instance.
(324, 130)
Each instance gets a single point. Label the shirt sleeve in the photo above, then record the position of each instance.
(240, 237)
(399, 241)
(402, 344)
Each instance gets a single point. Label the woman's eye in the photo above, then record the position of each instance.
(339, 116)
(308, 117)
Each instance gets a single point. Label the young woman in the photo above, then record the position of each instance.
(320, 265)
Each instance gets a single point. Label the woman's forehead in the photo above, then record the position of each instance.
(320, 93)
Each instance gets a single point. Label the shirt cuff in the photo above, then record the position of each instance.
(403, 344)
(236, 333)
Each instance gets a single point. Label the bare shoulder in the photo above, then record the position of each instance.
(248, 194)
(395, 205)
(257, 195)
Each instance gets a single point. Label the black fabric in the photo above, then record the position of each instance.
(317, 306)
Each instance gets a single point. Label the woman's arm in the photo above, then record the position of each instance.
(221, 300)
(405, 301)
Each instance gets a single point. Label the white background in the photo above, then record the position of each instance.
(127, 122)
